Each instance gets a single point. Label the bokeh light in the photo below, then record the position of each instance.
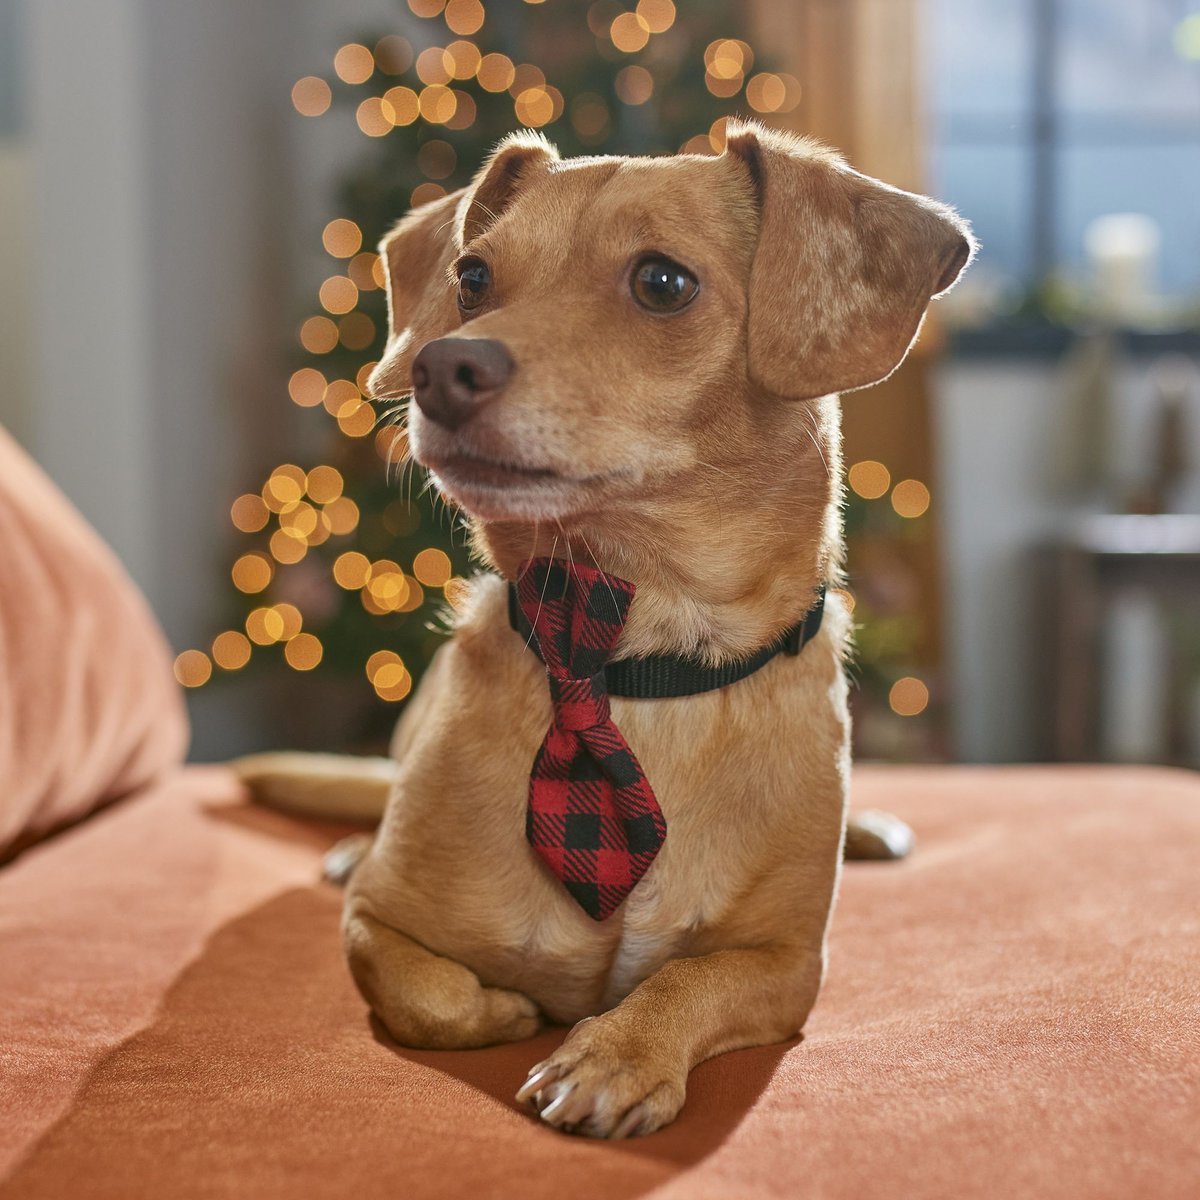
(464, 17)
(404, 105)
(496, 72)
(354, 63)
(432, 567)
(193, 668)
(658, 15)
(318, 335)
(341, 238)
(634, 85)
(249, 513)
(375, 116)
(393, 54)
(629, 32)
(324, 484)
(231, 650)
(909, 697)
(910, 498)
(338, 294)
(252, 573)
(303, 652)
(311, 96)
(869, 479)
(306, 387)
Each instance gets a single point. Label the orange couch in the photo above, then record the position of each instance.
(1013, 1012)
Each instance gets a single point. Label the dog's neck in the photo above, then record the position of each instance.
(720, 571)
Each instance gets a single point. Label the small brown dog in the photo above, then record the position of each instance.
(631, 363)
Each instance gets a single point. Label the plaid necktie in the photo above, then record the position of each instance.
(592, 816)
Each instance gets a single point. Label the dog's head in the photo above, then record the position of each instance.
(592, 336)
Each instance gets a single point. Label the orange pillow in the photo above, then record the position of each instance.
(89, 708)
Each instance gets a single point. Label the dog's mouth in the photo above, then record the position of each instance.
(494, 472)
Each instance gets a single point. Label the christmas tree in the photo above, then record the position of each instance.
(345, 565)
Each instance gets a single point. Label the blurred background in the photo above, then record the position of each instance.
(190, 199)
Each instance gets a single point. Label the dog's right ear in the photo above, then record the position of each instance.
(419, 252)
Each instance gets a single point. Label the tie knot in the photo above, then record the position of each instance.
(579, 703)
(577, 614)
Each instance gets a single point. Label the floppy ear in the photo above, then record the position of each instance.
(419, 252)
(845, 266)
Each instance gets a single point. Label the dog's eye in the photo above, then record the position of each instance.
(474, 279)
(663, 286)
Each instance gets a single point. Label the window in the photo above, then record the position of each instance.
(1050, 113)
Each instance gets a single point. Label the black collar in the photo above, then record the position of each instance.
(660, 676)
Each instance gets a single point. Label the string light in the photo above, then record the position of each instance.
(909, 697)
(318, 335)
(402, 101)
(356, 331)
(464, 59)
(304, 652)
(770, 93)
(264, 626)
(464, 17)
(534, 107)
(424, 193)
(456, 591)
(391, 444)
(910, 498)
(249, 513)
(426, 8)
(432, 66)
(464, 112)
(437, 103)
(437, 159)
(634, 85)
(351, 570)
(375, 116)
(354, 63)
(342, 514)
(338, 294)
(659, 15)
(306, 387)
(324, 484)
(340, 394)
(869, 479)
(341, 238)
(231, 650)
(629, 32)
(590, 116)
(363, 377)
(193, 668)
(311, 96)
(286, 547)
(252, 573)
(432, 567)
(496, 73)
(393, 54)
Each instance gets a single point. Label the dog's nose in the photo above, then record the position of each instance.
(454, 377)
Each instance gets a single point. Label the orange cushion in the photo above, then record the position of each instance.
(1010, 1012)
(89, 708)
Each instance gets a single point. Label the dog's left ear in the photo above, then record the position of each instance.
(845, 266)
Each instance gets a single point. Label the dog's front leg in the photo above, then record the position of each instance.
(427, 1001)
(625, 1072)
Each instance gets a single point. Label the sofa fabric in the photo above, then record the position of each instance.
(1011, 1012)
(89, 708)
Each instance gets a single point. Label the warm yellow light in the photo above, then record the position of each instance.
(249, 513)
(464, 59)
(342, 238)
(393, 54)
(403, 104)
(391, 444)
(356, 420)
(354, 63)
(496, 72)
(716, 134)
(361, 269)
(307, 387)
(909, 697)
(414, 597)
(324, 484)
(432, 567)
(287, 547)
(292, 620)
(303, 652)
(388, 675)
(534, 107)
(375, 116)
(338, 294)
(432, 66)
(299, 521)
(264, 626)
(464, 111)
(634, 85)
(910, 498)
(426, 8)
(193, 668)
(728, 57)
(870, 479)
(381, 659)
(659, 15)
(437, 159)
(252, 573)
(723, 87)
(526, 77)
(699, 144)
(464, 17)
(311, 96)
(766, 92)
(589, 116)
(456, 590)
(318, 335)
(231, 650)
(351, 570)
(629, 32)
(340, 396)
(437, 104)
(847, 598)
(378, 271)
(283, 489)
(342, 514)
(356, 331)
(363, 375)
(426, 193)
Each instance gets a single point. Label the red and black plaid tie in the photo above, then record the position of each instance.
(592, 816)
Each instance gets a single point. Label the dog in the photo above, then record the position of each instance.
(627, 369)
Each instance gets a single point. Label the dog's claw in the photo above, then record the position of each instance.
(629, 1123)
(538, 1078)
(556, 1106)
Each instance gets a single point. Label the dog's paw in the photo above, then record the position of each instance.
(599, 1084)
